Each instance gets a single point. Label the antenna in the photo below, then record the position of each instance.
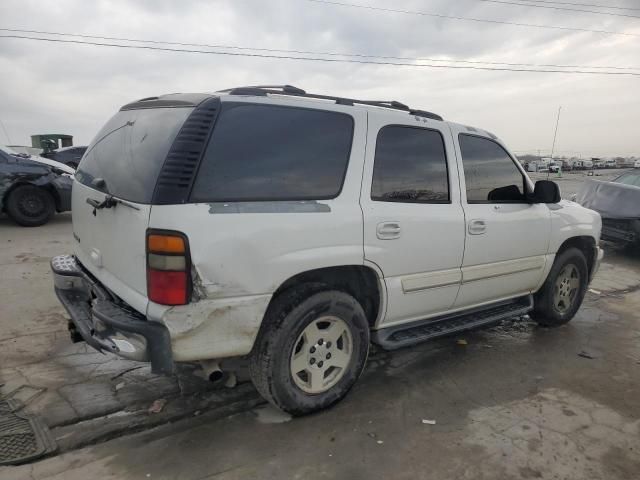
(555, 134)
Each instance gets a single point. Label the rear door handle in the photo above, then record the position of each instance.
(388, 230)
(477, 226)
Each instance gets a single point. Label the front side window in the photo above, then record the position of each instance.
(490, 173)
(270, 153)
(410, 166)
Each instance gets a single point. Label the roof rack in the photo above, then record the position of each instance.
(264, 90)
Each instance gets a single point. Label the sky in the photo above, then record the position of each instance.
(68, 88)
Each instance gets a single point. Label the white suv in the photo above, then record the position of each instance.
(294, 229)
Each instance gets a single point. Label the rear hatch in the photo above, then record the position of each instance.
(122, 162)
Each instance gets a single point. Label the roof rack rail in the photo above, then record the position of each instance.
(264, 90)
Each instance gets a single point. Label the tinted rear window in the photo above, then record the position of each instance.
(265, 152)
(410, 166)
(129, 151)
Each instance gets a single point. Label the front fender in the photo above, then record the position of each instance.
(568, 220)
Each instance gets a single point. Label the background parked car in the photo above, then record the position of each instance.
(618, 203)
(32, 189)
(68, 155)
(636, 164)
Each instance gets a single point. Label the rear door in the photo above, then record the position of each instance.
(413, 220)
(507, 238)
(123, 161)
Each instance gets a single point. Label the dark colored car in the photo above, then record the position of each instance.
(618, 203)
(32, 191)
(70, 156)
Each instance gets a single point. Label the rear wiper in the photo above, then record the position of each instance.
(109, 202)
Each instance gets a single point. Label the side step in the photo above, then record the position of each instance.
(400, 336)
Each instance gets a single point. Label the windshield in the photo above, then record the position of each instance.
(632, 178)
(128, 153)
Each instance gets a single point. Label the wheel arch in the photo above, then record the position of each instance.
(584, 243)
(360, 281)
(48, 187)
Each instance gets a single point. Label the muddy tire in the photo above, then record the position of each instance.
(311, 349)
(562, 293)
(30, 206)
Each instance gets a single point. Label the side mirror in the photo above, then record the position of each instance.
(546, 191)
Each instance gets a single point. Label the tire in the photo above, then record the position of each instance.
(562, 293)
(291, 338)
(30, 206)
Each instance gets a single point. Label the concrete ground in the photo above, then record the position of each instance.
(515, 401)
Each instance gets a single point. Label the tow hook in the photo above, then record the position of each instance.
(73, 333)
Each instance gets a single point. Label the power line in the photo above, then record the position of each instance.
(472, 19)
(308, 52)
(314, 59)
(611, 7)
(553, 7)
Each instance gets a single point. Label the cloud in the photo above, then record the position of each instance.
(48, 87)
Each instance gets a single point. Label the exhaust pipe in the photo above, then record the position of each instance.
(211, 370)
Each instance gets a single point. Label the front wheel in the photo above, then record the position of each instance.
(562, 293)
(310, 351)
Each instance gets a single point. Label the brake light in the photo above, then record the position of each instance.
(168, 279)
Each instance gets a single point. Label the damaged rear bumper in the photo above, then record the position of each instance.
(105, 322)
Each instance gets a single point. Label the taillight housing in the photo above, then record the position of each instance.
(168, 267)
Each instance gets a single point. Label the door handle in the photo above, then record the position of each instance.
(388, 230)
(477, 226)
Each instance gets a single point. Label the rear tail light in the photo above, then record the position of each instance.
(168, 279)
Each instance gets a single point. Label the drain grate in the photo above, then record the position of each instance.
(22, 437)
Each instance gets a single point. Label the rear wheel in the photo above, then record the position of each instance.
(311, 350)
(560, 297)
(30, 206)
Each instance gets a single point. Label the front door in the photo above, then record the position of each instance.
(507, 237)
(413, 220)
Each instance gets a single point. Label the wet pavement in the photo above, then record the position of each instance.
(83, 396)
(516, 401)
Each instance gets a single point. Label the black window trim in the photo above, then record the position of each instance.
(526, 193)
(228, 105)
(446, 163)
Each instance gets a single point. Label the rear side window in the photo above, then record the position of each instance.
(490, 173)
(129, 151)
(266, 153)
(410, 166)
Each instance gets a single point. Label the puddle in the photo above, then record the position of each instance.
(269, 414)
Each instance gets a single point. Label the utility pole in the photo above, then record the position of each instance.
(6, 134)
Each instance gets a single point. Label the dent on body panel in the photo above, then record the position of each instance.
(215, 328)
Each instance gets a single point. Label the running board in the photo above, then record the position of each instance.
(399, 336)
